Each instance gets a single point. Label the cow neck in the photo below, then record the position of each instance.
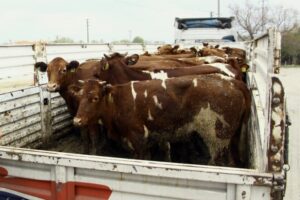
(70, 78)
(134, 74)
(120, 73)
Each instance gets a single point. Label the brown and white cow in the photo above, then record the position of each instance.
(117, 69)
(146, 112)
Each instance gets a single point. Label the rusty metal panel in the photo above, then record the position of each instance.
(20, 117)
(277, 123)
(61, 120)
(264, 54)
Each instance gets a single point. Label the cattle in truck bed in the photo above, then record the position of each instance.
(117, 69)
(140, 114)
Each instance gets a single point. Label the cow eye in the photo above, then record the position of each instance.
(64, 70)
(95, 99)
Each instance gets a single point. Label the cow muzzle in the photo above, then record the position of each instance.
(77, 121)
(52, 87)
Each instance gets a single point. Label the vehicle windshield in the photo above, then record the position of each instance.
(204, 23)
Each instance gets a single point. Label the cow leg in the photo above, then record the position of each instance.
(85, 139)
(97, 139)
(166, 147)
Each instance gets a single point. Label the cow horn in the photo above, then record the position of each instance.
(81, 81)
(101, 82)
(124, 54)
(106, 56)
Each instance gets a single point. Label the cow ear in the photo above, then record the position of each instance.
(106, 89)
(41, 66)
(132, 60)
(205, 44)
(194, 50)
(175, 48)
(72, 65)
(105, 66)
(217, 46)
(200, 53)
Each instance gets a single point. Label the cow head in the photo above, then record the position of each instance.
(91, 96)
(57, 70)
(113, 63)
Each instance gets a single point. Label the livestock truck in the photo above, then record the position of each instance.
(31, 117)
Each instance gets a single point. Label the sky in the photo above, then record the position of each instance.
(109, 20)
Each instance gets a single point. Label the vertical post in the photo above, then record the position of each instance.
(218, 8)
(87, 31)
(263, 16)
(40, 55)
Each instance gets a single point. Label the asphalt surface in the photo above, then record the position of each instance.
(291, 80)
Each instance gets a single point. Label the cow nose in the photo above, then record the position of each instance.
(77, 121)
(52, 86)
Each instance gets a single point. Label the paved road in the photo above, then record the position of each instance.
(291, 80)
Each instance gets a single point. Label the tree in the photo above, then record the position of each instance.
(290, 53)
(248, 18)
(59, 39)
(253, 20)
(138, 39)
(284, 19)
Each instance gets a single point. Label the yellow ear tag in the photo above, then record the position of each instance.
(244, 69)
(73, 70)
(106, 66)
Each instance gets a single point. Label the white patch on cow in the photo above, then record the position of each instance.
(161, 75)
(150, 118)
(205, 124)
(211, 59)
(146, 132)
(277, 88)
(144, 71)
(227, 78)
(195, 81)
(156, 102)
(100, 122)
(132, 91)
(223, 68)
(145, 94)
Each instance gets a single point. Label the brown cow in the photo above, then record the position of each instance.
(61, 76)
(235, 52)
(209, 50)
(146, 112)
(169, 50)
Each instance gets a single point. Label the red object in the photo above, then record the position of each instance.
(52, 190)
